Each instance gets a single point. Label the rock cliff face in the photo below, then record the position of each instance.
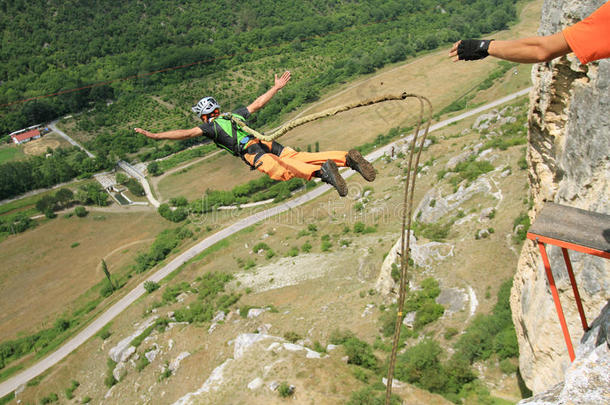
(569, 159)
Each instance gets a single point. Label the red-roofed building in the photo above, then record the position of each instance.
(26, 136)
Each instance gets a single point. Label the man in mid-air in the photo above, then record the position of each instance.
(277, 161)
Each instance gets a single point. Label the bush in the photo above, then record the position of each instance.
(285, 390)
(360, 353)
(176, 215)
(49, 398)
(359, 227)
(80, 211)
(293, 252)
(151, 286)
(70, 390)
(429, 312)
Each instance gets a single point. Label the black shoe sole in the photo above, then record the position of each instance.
(361, 165)
(340, 184)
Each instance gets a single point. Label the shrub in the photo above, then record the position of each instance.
(306, 247)
(421, 365)
(70, 390)
(429, 312)
(285, 390)
(360, 353)
(49, 398)
(86, 400)
(178, 201)
(293, 252)
(260, 246)
(151, 286)
(326, 245)
(104, 333)
(359, 227)
(80, 211)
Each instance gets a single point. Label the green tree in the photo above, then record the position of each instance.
(107, 273)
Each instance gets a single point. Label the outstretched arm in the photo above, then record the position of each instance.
(264, 98)
(175, 134)
(525, 50)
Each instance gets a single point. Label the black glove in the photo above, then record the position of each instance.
(473, 49)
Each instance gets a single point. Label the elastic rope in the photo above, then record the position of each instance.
(326, 113)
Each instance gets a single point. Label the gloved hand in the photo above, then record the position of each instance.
(473, 49)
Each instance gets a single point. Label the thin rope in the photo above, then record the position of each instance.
(405, 249)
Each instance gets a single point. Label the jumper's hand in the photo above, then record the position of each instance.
(145, 132)
(453, 53)
(282, 81)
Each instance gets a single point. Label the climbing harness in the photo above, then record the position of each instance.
(407, 209)
(227, 135)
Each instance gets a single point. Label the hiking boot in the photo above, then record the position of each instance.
(355, 161)
(329, 173)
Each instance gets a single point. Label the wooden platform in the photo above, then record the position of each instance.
(573, 226)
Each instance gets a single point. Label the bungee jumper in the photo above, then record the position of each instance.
(279, 162)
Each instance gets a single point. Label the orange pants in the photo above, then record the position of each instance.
(283, 163)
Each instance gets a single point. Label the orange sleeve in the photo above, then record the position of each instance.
(589, 39)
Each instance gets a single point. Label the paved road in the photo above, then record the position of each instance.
(53, 125)
(13, 383)
(140, 177)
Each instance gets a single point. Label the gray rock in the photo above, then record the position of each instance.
(255, 384)
(175, 363)
(255, 312)
(587, 379)
(119, 371)
(119, 352)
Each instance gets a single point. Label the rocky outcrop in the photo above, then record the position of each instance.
(587, 380)
(568, 155)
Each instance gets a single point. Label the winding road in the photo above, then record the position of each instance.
(90, 330)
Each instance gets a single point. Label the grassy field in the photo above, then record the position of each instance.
(43, 264)
(11, 152)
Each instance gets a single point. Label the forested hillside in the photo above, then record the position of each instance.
(52, 46)
(144, 63)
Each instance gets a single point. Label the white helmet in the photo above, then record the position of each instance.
(205, 106)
